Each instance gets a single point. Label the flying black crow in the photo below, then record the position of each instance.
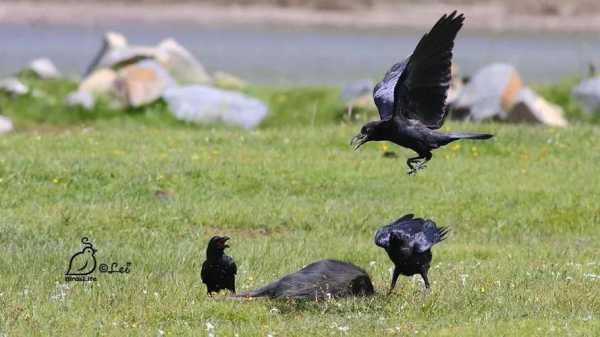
(218, 271)
(411, 98)
(408, 242)
(319, 280)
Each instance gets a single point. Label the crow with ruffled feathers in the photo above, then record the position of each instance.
(408, 242)
(411, 98)
(219, 270)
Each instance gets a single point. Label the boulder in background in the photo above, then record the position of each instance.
(13, 86)
(6, 125)
(44, 69)
(203, 104)
(588, 94)
(490, 93)
(142, 83)
(531, 108)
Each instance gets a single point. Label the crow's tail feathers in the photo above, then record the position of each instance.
(469, 135)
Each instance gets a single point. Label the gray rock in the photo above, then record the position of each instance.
(81, 98)
(13, 86)
(121, 57)
(99, 82)
(178, 61)
(142, 83)
(588, 94)
(357, 89)
(358, 97)
(531, 108)
(182, 65)
(490, 93)
(111, 41)
(228, 81)
(6, 125)
(202, 104)
(456, 85)
(44, 69)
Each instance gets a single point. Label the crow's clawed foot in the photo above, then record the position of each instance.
(414, 169)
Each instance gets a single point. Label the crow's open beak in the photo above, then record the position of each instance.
(358, 140)
(224, 242)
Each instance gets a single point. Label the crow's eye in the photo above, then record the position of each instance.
(364, 131)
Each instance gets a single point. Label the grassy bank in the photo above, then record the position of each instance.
(45, 107)
(521, 260)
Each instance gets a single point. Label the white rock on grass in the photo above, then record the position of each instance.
(6, 125)
(13, 86)
(99, 82)
(44, 69)
(81, 98)
(490, 93)
(456, 84)
(531, 108)
(202, 104)
(588, 94)
(181, 64)
(142, 83)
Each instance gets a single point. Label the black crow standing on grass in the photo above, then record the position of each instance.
(408, 243)
(411, 98)
(218, 271)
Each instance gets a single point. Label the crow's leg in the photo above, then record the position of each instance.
(394, 279)
(420, 162)
(426, 157)
(409, 163)
(423, 273)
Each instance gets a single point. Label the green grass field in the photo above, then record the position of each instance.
(522, 258)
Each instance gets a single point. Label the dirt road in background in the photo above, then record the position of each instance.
(482, 17)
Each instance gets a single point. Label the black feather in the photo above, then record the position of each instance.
(421, 91)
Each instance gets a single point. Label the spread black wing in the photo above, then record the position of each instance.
(383, 93)
(420, 83)
(422, 234)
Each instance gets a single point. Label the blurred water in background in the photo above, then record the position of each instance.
(291, 57)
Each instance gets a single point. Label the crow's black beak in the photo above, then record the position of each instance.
(359, 140)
